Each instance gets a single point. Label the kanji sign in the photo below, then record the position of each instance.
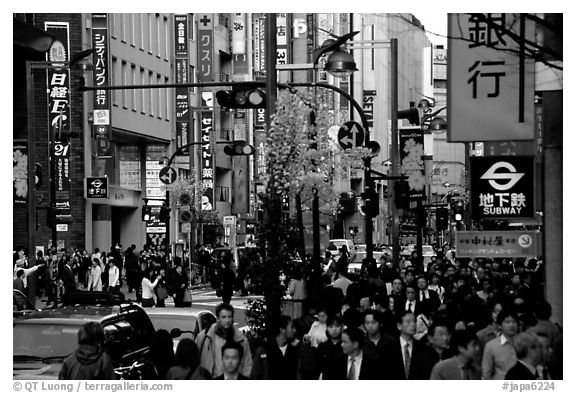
(411, 161)
(502, 187)
(350, 135)
(496, 244)
(101, 75)
(97, 187)
(207, 157)
(488, 95)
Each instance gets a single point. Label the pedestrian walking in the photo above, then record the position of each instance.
(297, 291)
(530, 354)
(462, 365)
(178, 286)
(227, 283)
(232, 354)
(277, 359)
(113, 276)
(88, 361)
(148, 288)
(131, 264)
(186, 362)
(499, 354)
(95, 276)
(161, 289)
(210, 342)
(67, 275)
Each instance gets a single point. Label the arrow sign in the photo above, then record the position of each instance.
(350, 135)
(168, 175)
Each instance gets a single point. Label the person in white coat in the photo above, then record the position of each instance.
(95, 277)
(113, 276)
(148, 289)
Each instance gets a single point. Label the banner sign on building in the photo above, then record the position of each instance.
(101, 77)
(368, 99)
(206, 48)
(59, 78)
(281, 39)
(260, 155)
(239, 34)
(61, 180)
(207, 158)
(260, 45)
(488, 95)
(97, 187)
(502, 187)
(496, 244)
(310, 35)
(411, 162)
(241, 203)
(20, 172)
(154, 187)
(181, 60)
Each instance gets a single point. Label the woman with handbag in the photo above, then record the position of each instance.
(148, 289)
(161, 290)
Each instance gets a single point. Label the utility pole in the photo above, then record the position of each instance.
(394, 159)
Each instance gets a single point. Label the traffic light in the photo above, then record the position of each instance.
(347, 202)
(441, 219)
(411, 114)
(371, 204)
(239, 148)
(241, 98)
(421, 216)
(402, 194)
(458, 211)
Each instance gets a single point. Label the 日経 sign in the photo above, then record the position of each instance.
(496, 244)
(490, 87)
(502, 187)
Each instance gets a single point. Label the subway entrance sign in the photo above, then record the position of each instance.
(497, 244)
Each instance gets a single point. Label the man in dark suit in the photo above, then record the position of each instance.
(398, 363)
(67, 276)
(530, 353)
(278, 358)
(356, 364)
(232, 352)
(411, 302)
(438, 349)
(429, 299)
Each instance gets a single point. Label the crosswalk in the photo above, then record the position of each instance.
(208, 297)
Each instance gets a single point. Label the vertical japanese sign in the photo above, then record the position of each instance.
(59, 78)
(281, 39)
(207, 157)
(239, 56)
(260, 45)
(260, 155)
(20, 172)
(181, 69)
(368, 99)
(411, 162)
(101, 75)
(310, 35)
(154, 187)
(490, 87)
(502, 187)
(206, 48)
(59, 118)
(61, 181)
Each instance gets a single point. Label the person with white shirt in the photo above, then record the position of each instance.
(95, 277)
(113, 276)
(148, 289)
(317, 332)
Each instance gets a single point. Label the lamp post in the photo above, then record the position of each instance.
(81, 63)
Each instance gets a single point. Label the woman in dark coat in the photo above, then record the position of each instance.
(178, 285)
(160, 357)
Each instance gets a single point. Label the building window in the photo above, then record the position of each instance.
(151, 93)
(123, 24)
(113, 18)
(113, 79)
(124, 81)
(159, 35)
(151, 31)
(223, 20)
(167, 107)
(141, 30)
(160, 97)
(166, 38)
(222, 194)
(134, 92)
(130, 29)
(141, 92)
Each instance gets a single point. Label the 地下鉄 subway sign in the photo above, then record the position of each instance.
(502, 187)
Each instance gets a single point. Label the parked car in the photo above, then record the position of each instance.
(190, 322)
(355, 265)
(21, 304)
(43, 339)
